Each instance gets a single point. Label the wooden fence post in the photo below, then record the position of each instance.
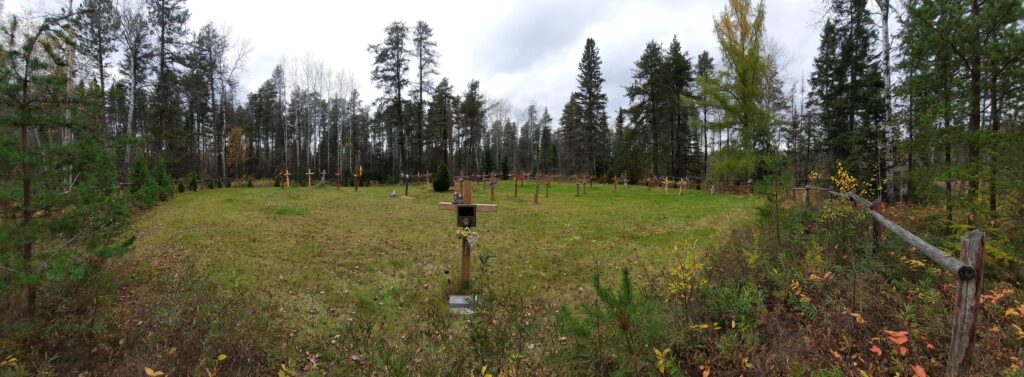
(876, 226)
(965, 313)
(807, 197)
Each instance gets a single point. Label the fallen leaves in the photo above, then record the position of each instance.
(898, 337)
(857, 317)
(705, 370)
(994, 297)
(1020, 333)
(1017, 311)
(919, 371)
(153, 373)
(875, 350)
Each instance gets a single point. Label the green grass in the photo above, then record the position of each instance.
(293, 269)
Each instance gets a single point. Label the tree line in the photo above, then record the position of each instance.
(929, 111)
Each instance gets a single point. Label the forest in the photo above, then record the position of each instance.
(920, 98)
(109, 106)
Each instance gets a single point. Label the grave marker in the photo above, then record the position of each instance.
(665, 182)
(465, 217)
(358, 174)
(536, 191)
(309, 177)
(287, 182)
(493, 181)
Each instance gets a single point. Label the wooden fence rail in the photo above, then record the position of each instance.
(969, 270)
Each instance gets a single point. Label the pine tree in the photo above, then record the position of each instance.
(705, 67)
(390, 66)
(98, 31)
(62, 177)
(679, 78)
(135, 65)
(168, 19)
(425, 50)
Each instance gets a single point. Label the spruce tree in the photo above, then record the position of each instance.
(442, 181)
(647, 100)
(592, 100)
(847, 91)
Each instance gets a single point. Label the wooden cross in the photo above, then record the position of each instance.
(665, 182)
(493, 182)
(358, 174)
(682, 183)
(536, 191)
(309, 178)
(337, 178)
(547, 187)
(462, 213)
(615, 184)
(287, 182)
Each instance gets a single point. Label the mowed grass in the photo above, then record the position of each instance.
(266, 275)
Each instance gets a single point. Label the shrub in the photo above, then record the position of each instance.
(441, 180)
(227, 183)
(142, 186)
(138, 175)
(277, 181)
(163, 179)
(250, 182)
(616, 333)
(181, 187)
(193, 183)
(210, 185)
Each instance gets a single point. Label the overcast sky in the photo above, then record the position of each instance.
(523, 51)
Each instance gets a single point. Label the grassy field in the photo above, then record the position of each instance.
(331, 281)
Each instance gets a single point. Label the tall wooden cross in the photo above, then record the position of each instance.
(682, 183)
(536, 191)
(287, 182)
(465, 217)
(358, 174)
(337, 178)
(665, 182)
(309, 178)
(493, 181)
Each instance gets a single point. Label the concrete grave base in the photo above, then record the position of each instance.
(462, 304)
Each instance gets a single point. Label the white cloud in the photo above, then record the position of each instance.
(525, 51)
